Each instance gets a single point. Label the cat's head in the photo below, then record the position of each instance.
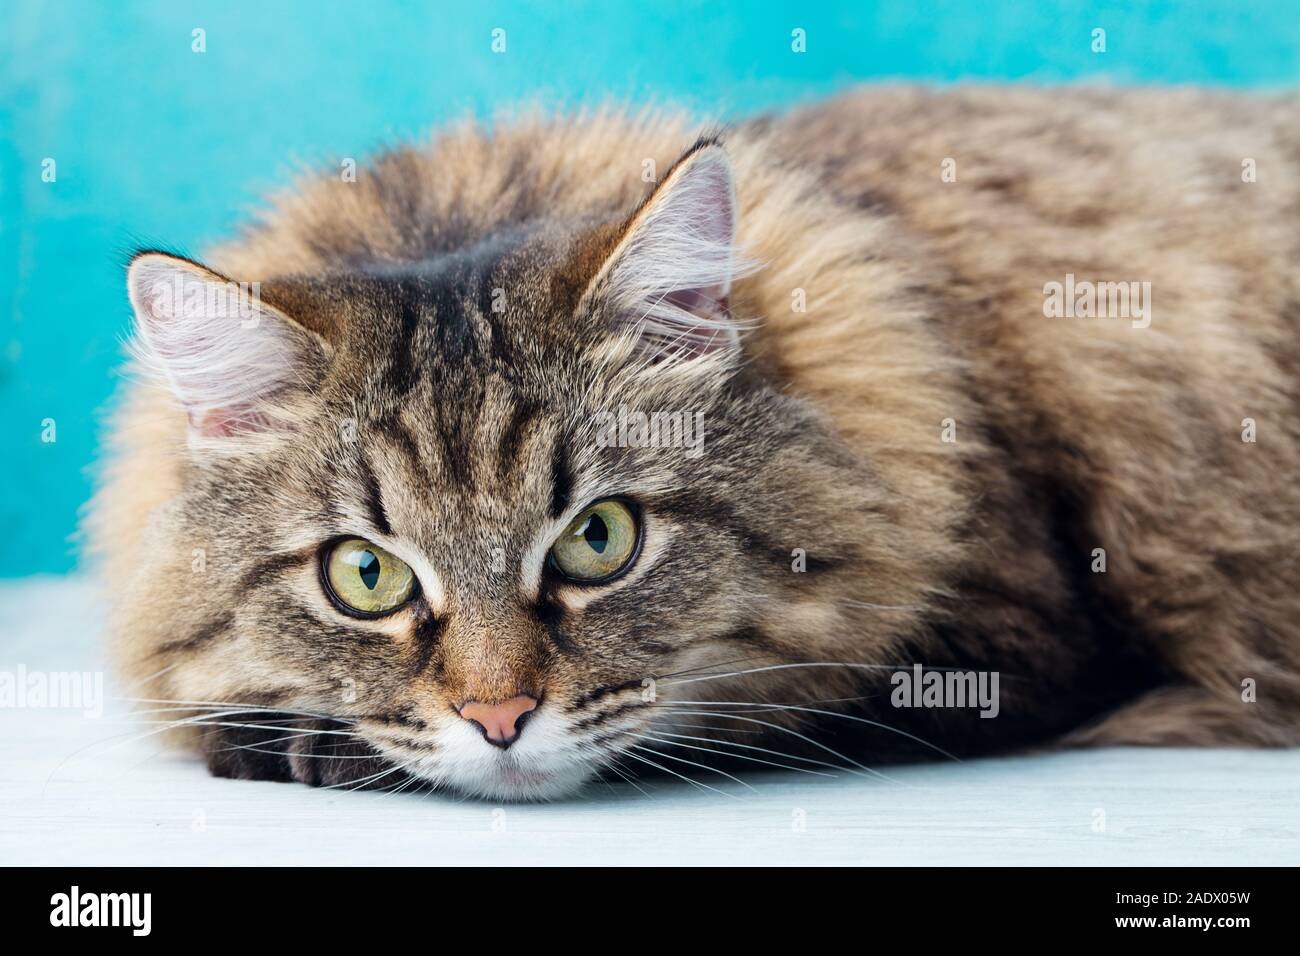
(493, 509)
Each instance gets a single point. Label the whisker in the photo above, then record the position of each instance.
(827, 713)
(714, 750)
(769, 704)
(115, 741)
(356, 784)
(610, 761)
(695, 783)
(730, 730)
(732, 743)
(155, 675)
(251, 708)
(204, 722)
(285, 753)
(701, 667)
(298, 736)
(795, 733)
(132, 716)
(411, 782)
(691, 763)
(781, 667)
(175, 725)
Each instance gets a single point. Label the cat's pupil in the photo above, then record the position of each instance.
(368, 568)
(596, 534)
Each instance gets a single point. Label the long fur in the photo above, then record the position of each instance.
(895, 310)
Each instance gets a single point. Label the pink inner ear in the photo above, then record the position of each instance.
(705, 302)
(227, 423)
(227, 357)
(672, 279)
(699, 339)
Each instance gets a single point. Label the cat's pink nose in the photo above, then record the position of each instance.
(501, 723)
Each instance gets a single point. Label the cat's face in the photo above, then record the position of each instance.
(491, 511)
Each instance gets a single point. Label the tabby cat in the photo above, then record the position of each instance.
(581, 445)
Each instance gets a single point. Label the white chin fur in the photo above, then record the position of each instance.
(543, 764)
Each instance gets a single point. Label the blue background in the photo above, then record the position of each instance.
(156, 144)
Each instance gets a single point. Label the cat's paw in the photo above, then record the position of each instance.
(318, 753)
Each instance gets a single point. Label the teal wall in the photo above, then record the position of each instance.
(155, 144)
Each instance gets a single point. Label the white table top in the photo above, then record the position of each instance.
(75, 790)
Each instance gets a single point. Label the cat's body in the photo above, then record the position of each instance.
(905, 459)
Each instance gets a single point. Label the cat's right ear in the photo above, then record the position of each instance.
(230, 359)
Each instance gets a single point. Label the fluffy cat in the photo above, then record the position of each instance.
(375, 527)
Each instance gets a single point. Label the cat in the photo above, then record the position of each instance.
(366, 521)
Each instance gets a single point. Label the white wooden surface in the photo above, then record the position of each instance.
(75, 790)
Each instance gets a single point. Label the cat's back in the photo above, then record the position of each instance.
(1121, 268)
(1121, 272)
(1025, 160)
(1012, 189)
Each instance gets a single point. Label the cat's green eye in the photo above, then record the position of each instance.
(366, 580)
(599, 543)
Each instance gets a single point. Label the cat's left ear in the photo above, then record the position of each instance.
(669, 276)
